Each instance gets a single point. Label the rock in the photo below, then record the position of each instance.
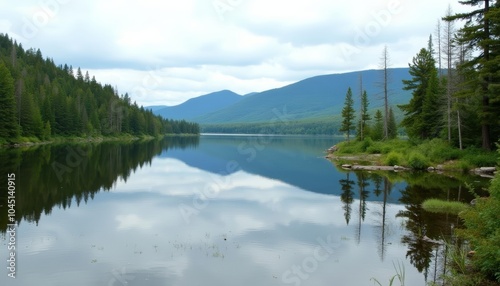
(428, 239)
(431, 169)
(440, 167)
(487, 169)
(332, 149)
(486, 172)
(346, 166)
(400, 168)
(473, 202)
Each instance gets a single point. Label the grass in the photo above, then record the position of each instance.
(393, 158)
(440, 206)
(400, 274)
(74, 139)
(419, 155)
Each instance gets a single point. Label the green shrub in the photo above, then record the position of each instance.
(483, 231)
(393, 158)
(464, 166)
(438, 150)
(481, 159)
(440, 206)
(375, 149)
(386, 149)
(366, 143)
(417, 161)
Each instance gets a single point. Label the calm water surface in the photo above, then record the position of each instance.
(217, 210)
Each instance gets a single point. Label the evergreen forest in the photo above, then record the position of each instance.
(39, 100)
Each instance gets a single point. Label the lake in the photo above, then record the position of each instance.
(218, 210)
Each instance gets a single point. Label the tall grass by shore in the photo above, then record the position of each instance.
(440, 206)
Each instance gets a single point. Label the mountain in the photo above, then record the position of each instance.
(198, 106)
(316, 97)
(155, 108)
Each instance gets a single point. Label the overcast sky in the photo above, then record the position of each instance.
(163, 52)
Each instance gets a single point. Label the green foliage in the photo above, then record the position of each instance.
(392, 126)
(483, 231)
(480, 69)
(378, 129)
(363, 129)
(422, 113)
(441, 206)
(8, 125)
(393, 158)
(480, 158)
(366, 143)
(417, 161)
(39, 99)
(438, 150)
(376, 148)
(348, 115)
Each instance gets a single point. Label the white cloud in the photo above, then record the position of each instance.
(132, 221)
(243, 45)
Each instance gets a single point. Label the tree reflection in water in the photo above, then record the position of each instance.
(425, 232)
(75, 171)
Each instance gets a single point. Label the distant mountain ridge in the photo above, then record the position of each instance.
(198, 106)
(310, 100)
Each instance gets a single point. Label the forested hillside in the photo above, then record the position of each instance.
(311, 98)
(199, 106)
(39, 99)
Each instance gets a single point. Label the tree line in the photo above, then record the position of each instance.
(382, 127)
(101, 166)
(455, 84)
(455, 80)
(39, 100)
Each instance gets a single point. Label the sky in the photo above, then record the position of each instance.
(163, 52)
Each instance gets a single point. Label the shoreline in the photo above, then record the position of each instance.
(372, 162)
(84, 140)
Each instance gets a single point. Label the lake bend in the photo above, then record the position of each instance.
(218, 210)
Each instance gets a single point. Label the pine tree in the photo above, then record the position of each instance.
(348, 115)
(363, 128)
(422, 112)
(8, 124)
(31, 120)
(347, 196)
(378, 128)
(393, 128)
(480, 34)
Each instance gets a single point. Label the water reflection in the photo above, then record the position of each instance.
(363, 194)
(54, 175)
(427, 232)
(285, 216)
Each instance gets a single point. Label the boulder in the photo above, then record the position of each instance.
(487, 169)
(332, 149)
(346, 166)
